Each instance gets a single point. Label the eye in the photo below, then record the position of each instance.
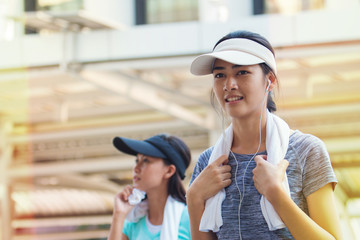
(242, 72)
(145, 160)
(219, 75)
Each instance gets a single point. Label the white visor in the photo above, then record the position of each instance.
(239, 51)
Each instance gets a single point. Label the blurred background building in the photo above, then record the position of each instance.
(76, 73)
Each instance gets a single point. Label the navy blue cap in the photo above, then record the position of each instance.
(155, 146)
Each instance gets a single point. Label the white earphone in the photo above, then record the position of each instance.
(267, 88)
(242, 193)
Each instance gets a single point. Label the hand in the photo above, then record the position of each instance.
(212, 179)
(121, 203)
(268, 177)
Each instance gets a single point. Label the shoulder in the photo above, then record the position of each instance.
(298, 138)
(204, 157)
(201, 163)
(207, 153)
(306, 145)
(310, 154)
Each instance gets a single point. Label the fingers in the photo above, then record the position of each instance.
(259, 158)
(223, 159)
(125, 193)
(267, 175)
(223, 170)
(283, 165)
(215, 177)
(222, 164)
(227, 179)
(121, 203)
(220, 171)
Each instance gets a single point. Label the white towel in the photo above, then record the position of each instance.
(211, 218)
(277, 140)
(136, 196)
(171, 220)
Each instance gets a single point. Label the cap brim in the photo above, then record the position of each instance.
(133, 147)
(202, 65)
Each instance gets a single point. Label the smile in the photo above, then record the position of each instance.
(233, 99)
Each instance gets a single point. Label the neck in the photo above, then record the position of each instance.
(247, 135)
(156, 203)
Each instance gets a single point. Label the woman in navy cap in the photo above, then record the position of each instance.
(154, 207)
(242, 187)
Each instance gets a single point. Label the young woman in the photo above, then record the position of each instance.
(160, 166)
(261, 180)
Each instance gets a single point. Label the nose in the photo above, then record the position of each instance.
(230, 84)
(137, 167)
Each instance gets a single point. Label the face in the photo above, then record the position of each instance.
(240, 90)
(149, 172)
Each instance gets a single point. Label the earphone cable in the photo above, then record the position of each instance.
(237, 166)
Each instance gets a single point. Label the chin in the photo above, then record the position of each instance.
(235, 114)
(138, 187)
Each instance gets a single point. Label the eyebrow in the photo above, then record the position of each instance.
(222, 68)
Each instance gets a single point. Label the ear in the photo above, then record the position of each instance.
(273, 80)
(171, 169)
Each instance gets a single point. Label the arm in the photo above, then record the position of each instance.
(196, 208)
(117, 227)
(121, 210)
(322, 210)
(215, 177)
(323, 222)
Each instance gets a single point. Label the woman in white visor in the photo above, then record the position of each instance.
(261, 180)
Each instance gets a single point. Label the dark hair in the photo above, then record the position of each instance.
(176, 188)
(271, 106)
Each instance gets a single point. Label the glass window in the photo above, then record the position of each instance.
(59, 5)
(53, 5)
(164, 11)
(286, 6)
(56, 6)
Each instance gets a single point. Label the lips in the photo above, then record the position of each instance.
(135, 178)
(233, 99)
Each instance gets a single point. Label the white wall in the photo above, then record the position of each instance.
(224, 10)
(121, 11)
(10, 9)
(174, 39)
